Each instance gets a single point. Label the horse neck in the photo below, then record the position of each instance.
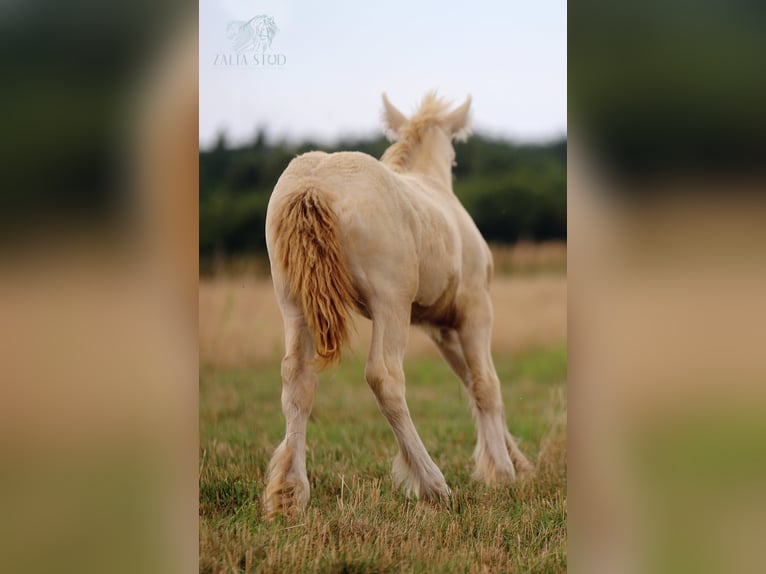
(413, 155)
(423, 163)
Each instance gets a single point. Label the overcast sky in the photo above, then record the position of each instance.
(337, 57)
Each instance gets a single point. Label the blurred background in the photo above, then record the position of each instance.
(98, 268)
(515, 191)
(667, 203)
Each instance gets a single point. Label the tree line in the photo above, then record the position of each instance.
(513, 191)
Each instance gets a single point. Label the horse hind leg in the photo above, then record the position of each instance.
(287, 486)
(413, 469)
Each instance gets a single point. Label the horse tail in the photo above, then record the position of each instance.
(316, 271)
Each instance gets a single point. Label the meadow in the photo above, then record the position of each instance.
(356, 520)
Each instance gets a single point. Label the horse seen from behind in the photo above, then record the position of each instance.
(390, 240)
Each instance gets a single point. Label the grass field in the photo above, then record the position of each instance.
(356, 521)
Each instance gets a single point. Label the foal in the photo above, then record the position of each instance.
(390, 240)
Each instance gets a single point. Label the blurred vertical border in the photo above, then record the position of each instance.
(667, 286)
(98, 271)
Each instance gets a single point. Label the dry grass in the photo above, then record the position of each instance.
(530, 258)
(357, 521)
(522, 258)
(240, 325)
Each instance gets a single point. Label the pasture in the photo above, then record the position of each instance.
(356, 520)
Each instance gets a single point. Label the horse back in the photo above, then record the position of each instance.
(402, 236)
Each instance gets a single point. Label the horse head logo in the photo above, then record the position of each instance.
(254, 35)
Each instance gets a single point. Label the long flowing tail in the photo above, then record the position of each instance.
(317, 275)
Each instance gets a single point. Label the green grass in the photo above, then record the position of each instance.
(356, 520)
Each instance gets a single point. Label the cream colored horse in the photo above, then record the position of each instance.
(390, 240)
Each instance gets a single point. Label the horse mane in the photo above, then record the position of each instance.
(430, 112)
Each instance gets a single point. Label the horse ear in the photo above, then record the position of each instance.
(457, 121)
(392, 118)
